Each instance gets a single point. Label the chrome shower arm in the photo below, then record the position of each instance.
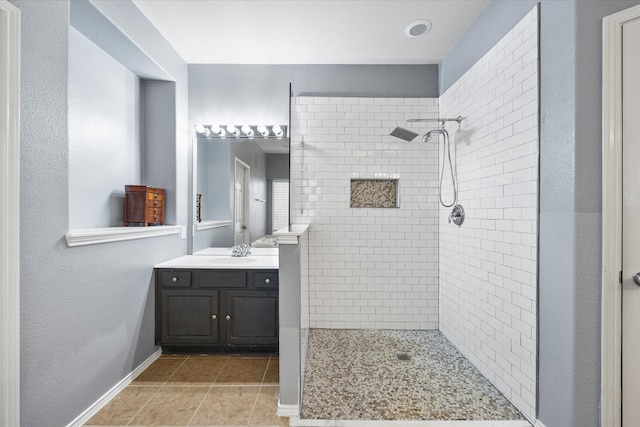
(445, 119)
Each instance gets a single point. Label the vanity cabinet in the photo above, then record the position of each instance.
(207, 310)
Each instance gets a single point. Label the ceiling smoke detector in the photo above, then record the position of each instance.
(418, 28)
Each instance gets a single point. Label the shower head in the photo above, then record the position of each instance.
(402, 133)
(427, 136)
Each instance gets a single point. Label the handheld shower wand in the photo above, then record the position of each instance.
(446, 155)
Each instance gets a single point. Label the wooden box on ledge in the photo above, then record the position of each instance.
(143, 205)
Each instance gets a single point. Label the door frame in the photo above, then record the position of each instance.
(611, 336)
(246, 199)
(10, 213)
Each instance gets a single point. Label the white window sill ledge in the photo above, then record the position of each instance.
(206, 225)
(92, 236)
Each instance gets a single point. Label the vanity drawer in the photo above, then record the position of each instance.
(222, 279)
(265, 279)
(175, 279)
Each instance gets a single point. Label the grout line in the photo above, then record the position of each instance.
(199, 406)
(264, 374)
(224, 365)
(143, 406)
(176, 370)
(156, 392)
(255, 403)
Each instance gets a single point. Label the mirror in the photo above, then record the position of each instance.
(241, 190)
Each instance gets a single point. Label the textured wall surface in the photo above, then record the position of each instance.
(104, 135)
(368, 267)
(488, 265)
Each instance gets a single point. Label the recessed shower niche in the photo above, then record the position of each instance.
(374, 193)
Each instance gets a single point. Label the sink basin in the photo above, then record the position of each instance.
(228, 260)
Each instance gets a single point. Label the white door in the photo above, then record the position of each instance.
(631, 224)
(240, 210)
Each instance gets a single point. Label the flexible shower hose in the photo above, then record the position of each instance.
(446, 153)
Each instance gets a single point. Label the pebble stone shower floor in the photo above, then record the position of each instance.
(357, 375)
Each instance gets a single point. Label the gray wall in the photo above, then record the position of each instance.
(260, 93)
(496, 20)
(289, 313)
(570, 193)
(277, 166)
(87, 312)
(104, 135)
(158, 104)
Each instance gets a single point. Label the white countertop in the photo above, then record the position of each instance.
(250, 262)
(227, 251)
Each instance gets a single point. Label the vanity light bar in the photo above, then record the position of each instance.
(243, 131)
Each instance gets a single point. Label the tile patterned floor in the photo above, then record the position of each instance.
(194, 390)
(356, 375)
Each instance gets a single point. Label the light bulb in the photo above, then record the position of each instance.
(277, 131)
(216, 129)
(246, 129)
(263, 130)
(200, 129)
(233, 130)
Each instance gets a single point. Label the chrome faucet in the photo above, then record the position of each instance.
(241, 250)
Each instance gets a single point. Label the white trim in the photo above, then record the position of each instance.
(246, 203)
(92, 236)
(206, 225)
(611, 353)
(108, 396)
(297, 422)
(538, 424)
(10, 214)
(288, 410)
(290, 236)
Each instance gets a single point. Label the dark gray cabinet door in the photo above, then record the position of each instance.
(252, 318)
(189, 317)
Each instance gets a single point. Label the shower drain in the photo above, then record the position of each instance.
(403, 356)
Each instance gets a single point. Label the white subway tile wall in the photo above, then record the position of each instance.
(488, 276)
(368, 267)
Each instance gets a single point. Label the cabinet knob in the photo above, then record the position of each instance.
(228, 317)
(174, 279)
(267, 281)
(214, 317)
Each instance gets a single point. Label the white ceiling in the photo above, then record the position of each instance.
(309, 31)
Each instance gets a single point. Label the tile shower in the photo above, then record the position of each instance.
(407, 268)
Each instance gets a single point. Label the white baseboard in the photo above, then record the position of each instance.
(538, 424)
(106, 398)
(297, 422)
(288, 410)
